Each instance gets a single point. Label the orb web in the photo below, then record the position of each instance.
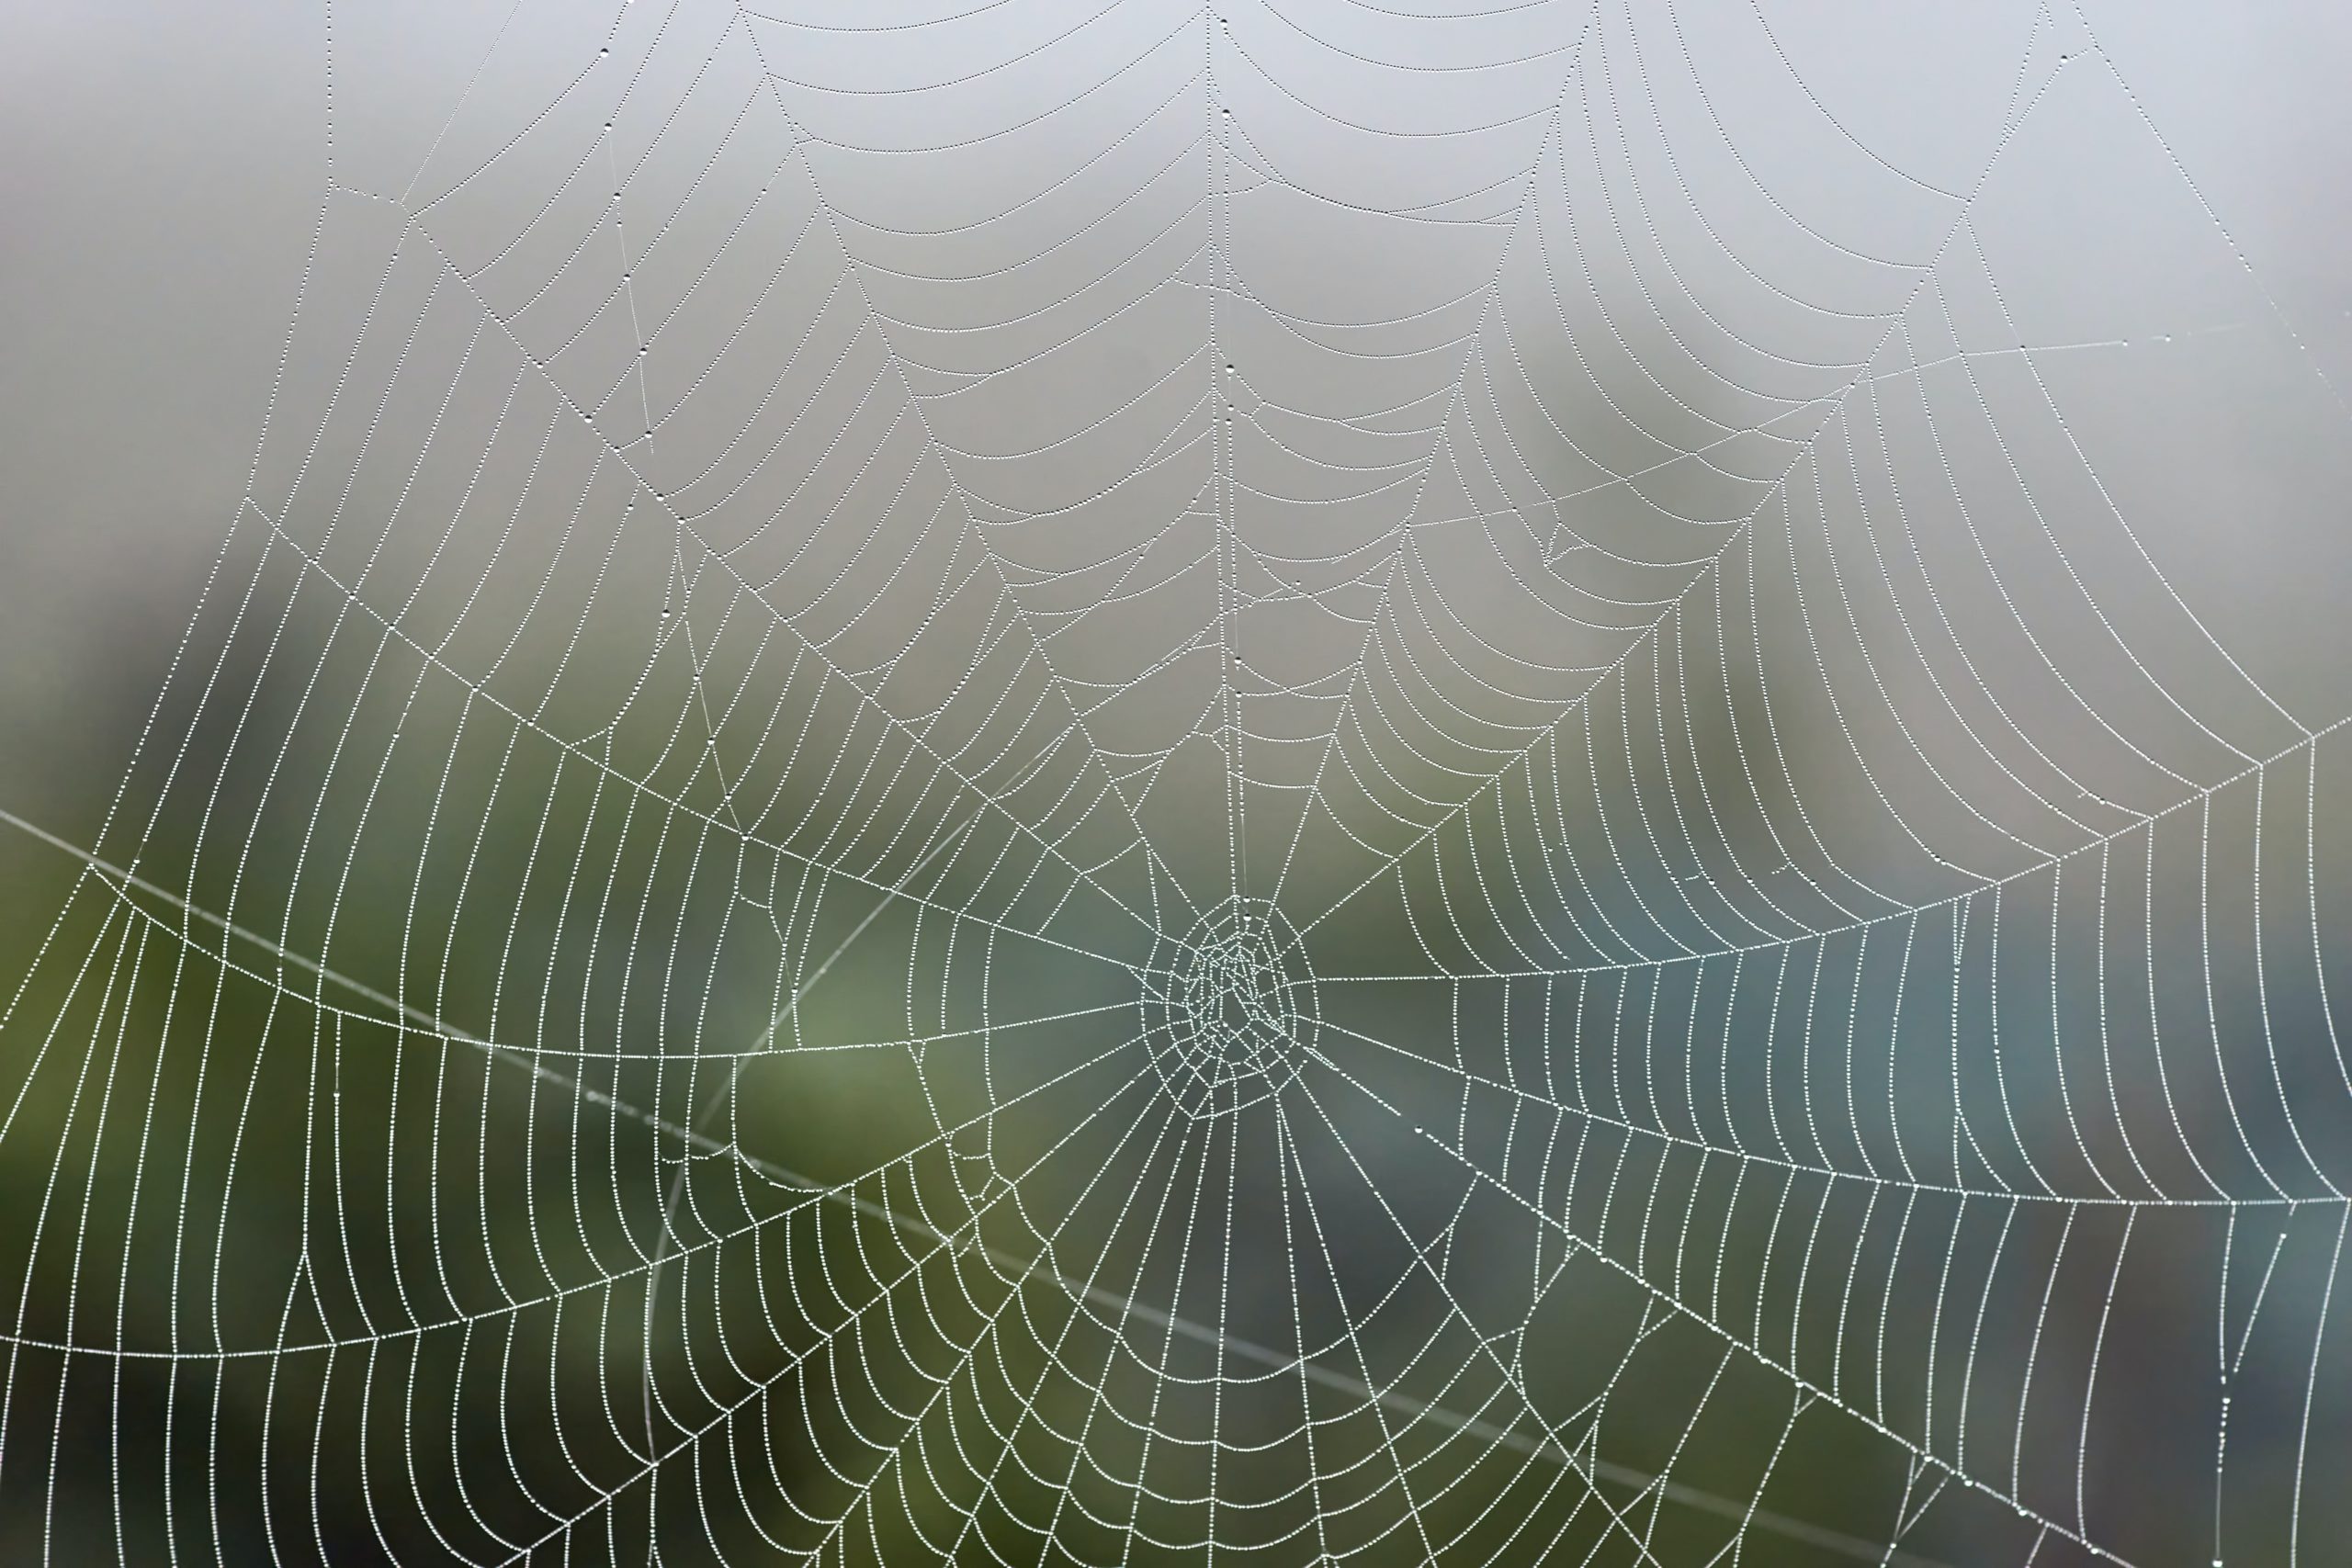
(1278, 784)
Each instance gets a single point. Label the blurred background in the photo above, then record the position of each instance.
(1061, 784)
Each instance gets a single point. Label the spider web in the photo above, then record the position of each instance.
(1299, 783)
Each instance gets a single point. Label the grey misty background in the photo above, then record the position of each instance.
(158, 206)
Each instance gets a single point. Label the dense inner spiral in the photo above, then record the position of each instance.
(1227, 1009)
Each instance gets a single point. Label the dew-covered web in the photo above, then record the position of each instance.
(1309, 781)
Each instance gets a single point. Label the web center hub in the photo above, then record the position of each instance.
(1229, 1012)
